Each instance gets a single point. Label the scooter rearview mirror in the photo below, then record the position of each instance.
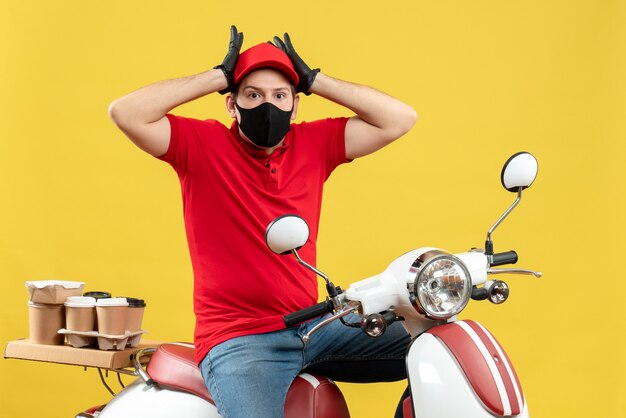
(518, 173)
(286, 233)
(520, 170)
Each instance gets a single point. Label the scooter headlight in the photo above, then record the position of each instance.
(442, 285)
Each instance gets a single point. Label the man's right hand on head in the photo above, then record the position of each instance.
(230, 60)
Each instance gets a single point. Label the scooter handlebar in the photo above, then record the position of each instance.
(311, 312)
(507, 257)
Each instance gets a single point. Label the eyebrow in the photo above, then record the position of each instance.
(261, 89)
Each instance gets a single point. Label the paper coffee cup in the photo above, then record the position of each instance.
(136, 308)
(112, 316)
(44, 322)
(80, 313)
(97, 294)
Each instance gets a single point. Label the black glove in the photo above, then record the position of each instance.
(305, 73)
(230, 60)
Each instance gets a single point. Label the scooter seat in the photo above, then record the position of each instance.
(310, 395)
(174, 366)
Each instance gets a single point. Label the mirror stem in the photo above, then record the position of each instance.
(330, 287)
(489, 242)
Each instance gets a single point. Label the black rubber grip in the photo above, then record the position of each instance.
(308, 313)
(507, 257)
(479, 293)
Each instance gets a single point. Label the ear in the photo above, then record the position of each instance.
(296, 100)
(230, 106)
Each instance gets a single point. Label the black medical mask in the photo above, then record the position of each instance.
(265, 125)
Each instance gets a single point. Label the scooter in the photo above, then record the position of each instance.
(455, 368)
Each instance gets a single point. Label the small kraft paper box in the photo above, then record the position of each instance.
(52, 291)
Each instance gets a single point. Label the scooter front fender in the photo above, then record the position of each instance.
(460, 370)
(140, 400)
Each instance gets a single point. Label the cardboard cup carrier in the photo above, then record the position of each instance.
(112, 316)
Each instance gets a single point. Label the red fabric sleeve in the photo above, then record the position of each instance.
(327, 140)
(336, 144)
(182, 135)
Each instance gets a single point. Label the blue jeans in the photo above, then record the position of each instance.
(249, 376)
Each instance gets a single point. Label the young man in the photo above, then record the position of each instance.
(234, 182)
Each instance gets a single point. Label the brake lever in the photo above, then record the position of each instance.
(353, 307)
(514, 271)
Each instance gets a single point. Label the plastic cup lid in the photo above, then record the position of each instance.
(112, 302)
(97, 294)
(80, 302)
(136, 303)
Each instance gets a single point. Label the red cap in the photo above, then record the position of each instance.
(263, 56)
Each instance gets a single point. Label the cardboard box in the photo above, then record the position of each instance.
(53, 291)
(65, 354)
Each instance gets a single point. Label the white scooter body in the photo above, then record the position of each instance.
(476, 374)
(455, 368)
(140, 400)
(441, 387)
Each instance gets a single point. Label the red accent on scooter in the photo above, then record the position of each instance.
(475, 367)
(407, 408)
(174, 366)
(506, 376)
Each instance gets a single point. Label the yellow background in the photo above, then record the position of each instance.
(488, 78)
